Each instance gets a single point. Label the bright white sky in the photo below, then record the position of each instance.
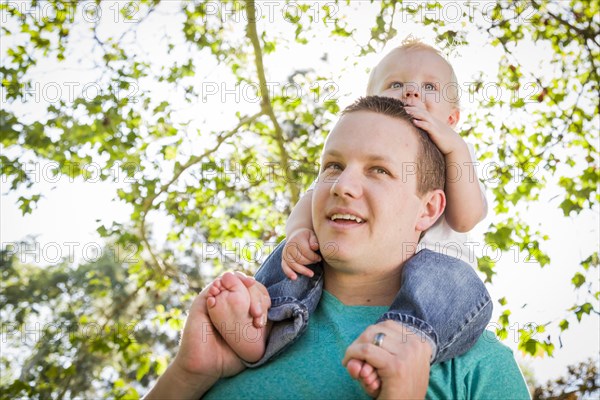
(70, 210)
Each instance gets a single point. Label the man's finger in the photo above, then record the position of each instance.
(246, 280)
(260, 302)
(367, 352)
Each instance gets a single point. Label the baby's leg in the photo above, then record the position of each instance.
(228, 307)
(444, 302)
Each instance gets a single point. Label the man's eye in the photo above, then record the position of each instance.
(396, 85)
(332, 166)
(429, 86)
(380, 170)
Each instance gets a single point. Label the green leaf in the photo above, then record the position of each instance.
(564, 325)
(143, 368)
(585, 308)
(578, 279)
(170, 153)
(591, 261)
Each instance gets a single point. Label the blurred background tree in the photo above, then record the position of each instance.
(582, 381)
(226, 178)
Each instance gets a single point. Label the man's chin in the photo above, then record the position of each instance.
(337, 254)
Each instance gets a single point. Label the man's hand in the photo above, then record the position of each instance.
(260, 301)
(202, 359)
(202, 351)
(401, 361)
(299, 251)
(444, 137)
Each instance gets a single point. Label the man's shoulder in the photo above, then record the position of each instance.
(488, 370)
(488, 347)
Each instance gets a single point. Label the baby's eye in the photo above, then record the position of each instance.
(396, 85)
(429, 86)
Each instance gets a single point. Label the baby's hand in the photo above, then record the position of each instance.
(300, 250)
(366, 375)
(444, 137)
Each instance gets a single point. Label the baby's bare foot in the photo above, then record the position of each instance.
(228, 308)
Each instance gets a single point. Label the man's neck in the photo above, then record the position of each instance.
(363, 290)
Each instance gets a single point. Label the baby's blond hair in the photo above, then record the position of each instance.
(413, 43)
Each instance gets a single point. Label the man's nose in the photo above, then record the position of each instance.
(347, 184)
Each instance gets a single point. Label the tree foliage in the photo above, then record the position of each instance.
(228, 190)
(582, 379)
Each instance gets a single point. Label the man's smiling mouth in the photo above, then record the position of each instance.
(346, 217)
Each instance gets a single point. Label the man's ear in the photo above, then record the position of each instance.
(454, 117)
(433, 204)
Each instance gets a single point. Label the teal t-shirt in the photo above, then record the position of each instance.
(311, 368)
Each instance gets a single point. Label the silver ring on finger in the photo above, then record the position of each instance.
(378, 339)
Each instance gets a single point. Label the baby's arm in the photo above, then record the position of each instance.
(466, 205)
(301, 216)
(465, 202)
(301, 244)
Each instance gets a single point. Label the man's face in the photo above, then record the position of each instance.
(419, 78)
(365, 204)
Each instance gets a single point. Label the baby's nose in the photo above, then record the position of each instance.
(411, 92)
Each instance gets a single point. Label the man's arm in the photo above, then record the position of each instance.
(177, 383)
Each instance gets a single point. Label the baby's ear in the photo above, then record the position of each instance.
(432, 206)
(454, 117)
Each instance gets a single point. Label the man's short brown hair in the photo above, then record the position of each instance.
(431, 166)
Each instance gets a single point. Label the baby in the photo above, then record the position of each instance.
(424, 80)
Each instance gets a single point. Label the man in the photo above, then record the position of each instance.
(380, 186)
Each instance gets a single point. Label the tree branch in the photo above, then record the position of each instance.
(149, 201)
(558, 18)
(266, 106)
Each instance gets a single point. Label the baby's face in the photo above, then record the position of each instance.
(419, 78)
